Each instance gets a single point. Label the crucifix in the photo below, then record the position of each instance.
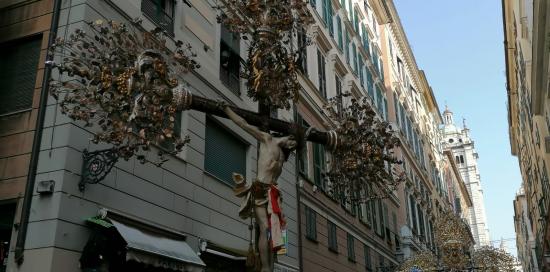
(126, 86)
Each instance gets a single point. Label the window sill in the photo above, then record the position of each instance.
(218, 179)
(314, 240)
(352, 260)
(7, 114)
(335, 251)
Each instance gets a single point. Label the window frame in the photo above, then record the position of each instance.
(332, 236)
(311, 224)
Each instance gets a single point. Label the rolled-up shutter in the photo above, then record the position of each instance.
(18, 68)
(224, 154)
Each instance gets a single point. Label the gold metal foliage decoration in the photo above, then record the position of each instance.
(363, 165)
(423, 261)
(270, 26)
(454, 240)
(492, 259)
(123, 84)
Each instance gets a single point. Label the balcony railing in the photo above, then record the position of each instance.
(154, 11)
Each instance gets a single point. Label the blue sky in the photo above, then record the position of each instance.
(459, 44)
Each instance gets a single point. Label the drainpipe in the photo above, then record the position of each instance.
(33, 165)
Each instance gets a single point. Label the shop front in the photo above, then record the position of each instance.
(126, 245)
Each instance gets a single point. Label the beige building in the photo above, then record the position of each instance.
(25, 28)
(525, 241)
(526, 52)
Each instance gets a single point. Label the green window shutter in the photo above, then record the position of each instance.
(374, 207)
(340, 38)
(360, 71)
(366, 43)
(221, 144)
(381, 70)
(375, 61)
(351, 247)
(18, 68)
(319, 165)
(350, 10)
(396, 109)
(313, 3)
(330, 14)
(385, 104)
(332, 237)
(356, 21)
(322, 74)
(368, 262)
(380, 219)
(370, 83)
(355, 68)
(346, 46)
(311, 223)
(368, 213)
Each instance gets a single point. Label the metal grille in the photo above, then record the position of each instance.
(18, 68)
(161, 12)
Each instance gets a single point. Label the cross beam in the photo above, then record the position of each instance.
(212, 107)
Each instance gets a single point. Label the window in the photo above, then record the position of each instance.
(346, 46)
(351, 248)
(366, 43)
(18, 68)
(421, 223)
(339, 29)
(302, 52)
(368, 261)
(374, 204)
(327, 16)
(322, 75)
(375, 60)
(230, 60)
(311, 224)
(332, 238)
(412, 203)
(360, 71)
(355, 63)
(386, 221)
(338, 82)
(356, 21)
(219, 143)
(381, 229)
(161, 12)
(369, 83)
(319, 165)
(7, 216)
(381, 261)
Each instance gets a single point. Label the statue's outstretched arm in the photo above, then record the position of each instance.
(258, 134)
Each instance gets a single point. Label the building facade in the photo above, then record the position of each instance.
(25, 29)
(525, 241)
(359, 47)
(461, 145)
(526, 35)
(188, 201)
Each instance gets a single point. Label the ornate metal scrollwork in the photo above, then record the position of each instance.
(96, 166)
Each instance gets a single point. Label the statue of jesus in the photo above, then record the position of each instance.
(262, 197)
